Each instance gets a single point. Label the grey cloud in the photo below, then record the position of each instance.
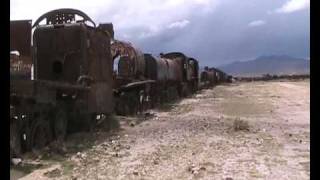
(223, 35)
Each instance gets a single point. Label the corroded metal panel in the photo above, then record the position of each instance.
(151, 67)
(20, 37)
(162, 70)
(174, 71)
(100, 98)
(20, 67)
(60, 52)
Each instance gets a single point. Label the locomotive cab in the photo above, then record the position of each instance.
(74, 53)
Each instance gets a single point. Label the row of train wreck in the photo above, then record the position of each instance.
(74, 71)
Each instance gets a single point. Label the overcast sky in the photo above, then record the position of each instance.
(215, 32)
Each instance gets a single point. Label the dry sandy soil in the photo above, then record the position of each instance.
(255, 130)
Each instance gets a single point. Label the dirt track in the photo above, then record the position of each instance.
(195, 139)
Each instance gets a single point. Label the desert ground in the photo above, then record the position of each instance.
(246, 130)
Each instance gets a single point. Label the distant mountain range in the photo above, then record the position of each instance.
(273, 64)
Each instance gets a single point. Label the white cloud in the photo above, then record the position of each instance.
(179, 24)
(293, 5)
(151, 16)
(256, 23)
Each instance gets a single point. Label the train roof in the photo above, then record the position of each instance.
(193, 59)
(174, 54)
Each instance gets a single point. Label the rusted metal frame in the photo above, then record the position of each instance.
(61, 85)
(65, 11)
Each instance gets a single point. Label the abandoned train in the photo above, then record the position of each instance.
(67, 77)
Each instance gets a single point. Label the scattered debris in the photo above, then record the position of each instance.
(135, 172)
(127, 146)
(156, 161)
(149, 115)
(196, 169)
(132, 124)
(53, 173)
(81, 155)
(240, 125)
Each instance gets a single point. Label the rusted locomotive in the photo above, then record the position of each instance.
(76, 70)
(208, 77)
(131, 85)
(72, 80)
(212, 76)
(142, 80)
(168, 77)
(222, 76)
(189, 70)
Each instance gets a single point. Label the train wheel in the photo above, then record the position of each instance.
(60, 125)
(41, 134)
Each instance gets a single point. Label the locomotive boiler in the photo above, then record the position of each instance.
(189, 71)
(168, 76)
